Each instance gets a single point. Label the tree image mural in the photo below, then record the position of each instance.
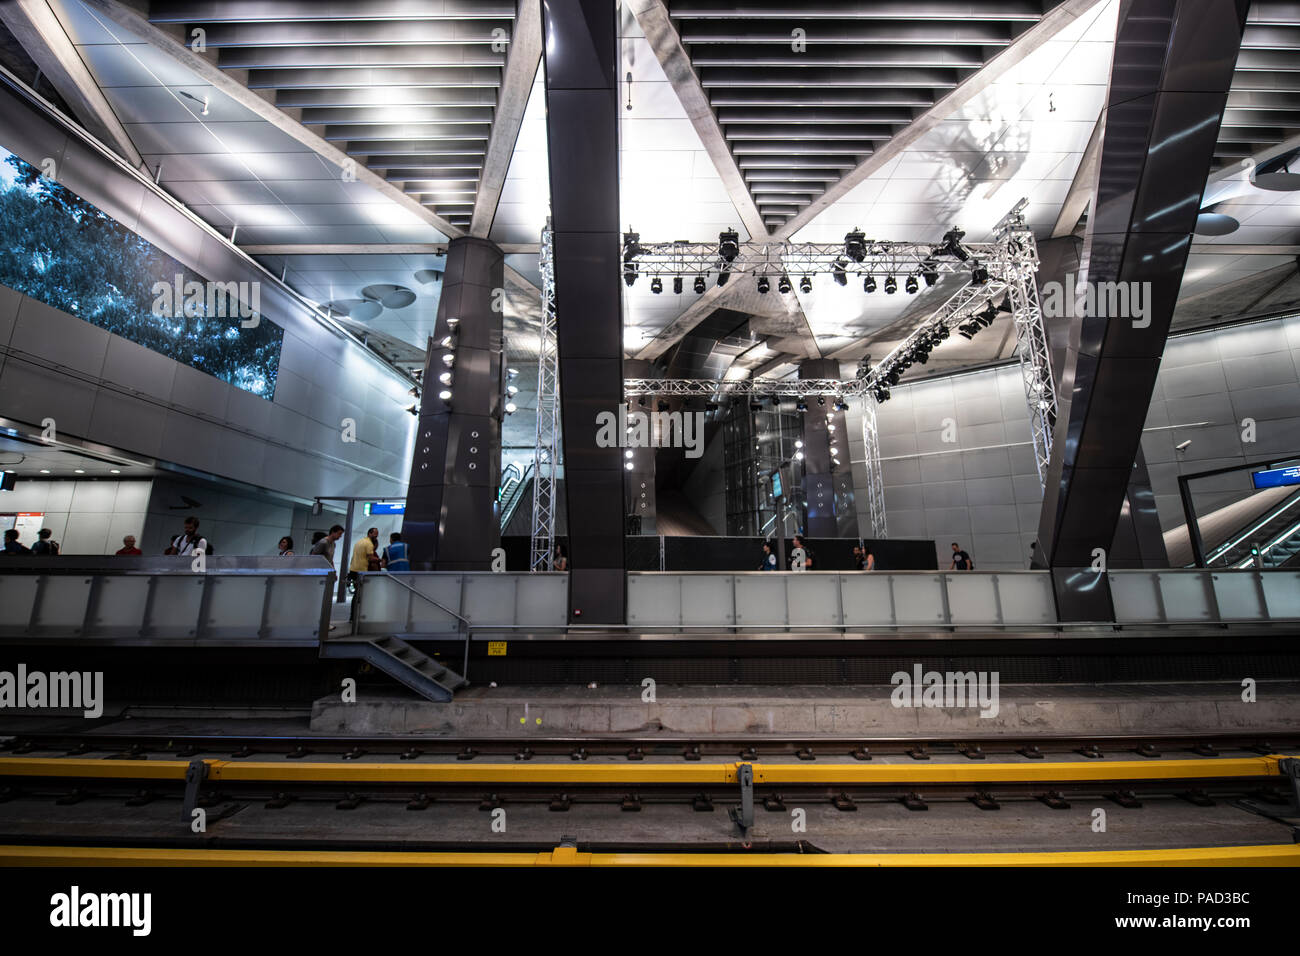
(63, 251)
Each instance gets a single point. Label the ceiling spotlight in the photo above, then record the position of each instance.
(656, 285)
(798, 456)
(699, 285)
(805, 284)
(869, 284)
(855, 245)
(942, 332)
(837, 271)
(445, 378)
(641, 401)
(115, 471)
(978, 274)
(511, 408)
(821, 399)
(630, 273)
(891, 285)
(445, 395)
(446, 342)
(910, 285)
(929, 272)
(834, 450)
(512, 390)
(801, 406)
(881, 393)
(763, 285)
(783, 285)
(677, 285)
(448, 360)
(728, 245)
(952, 244)
(841, 405)
(968, 330)
(512, 373)
(453, 324)
(628, 453)
(631, 246)
(798, 443)
(723, 276)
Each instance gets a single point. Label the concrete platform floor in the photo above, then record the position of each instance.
(700, 710)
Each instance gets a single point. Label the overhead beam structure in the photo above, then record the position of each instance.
(524, 56)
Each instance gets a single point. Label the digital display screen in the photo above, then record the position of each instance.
(1276, 477)
(776, 484)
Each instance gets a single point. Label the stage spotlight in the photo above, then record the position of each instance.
(942, 332)
(855, 245)
(929, 272)
(629, 273)
(841, 405)
(869, 284)
(821, 399)
(1005, 305)
(728, 245)
(801, 406)
(805, 284)
(677, 285)
(641, 401)
(838, 273)
(656, 285)
(952, 244)
(699, 285)
(988, 316)
(783, 285)
(891, 285)
(978, 274)
(755, 405)
(763, 285)
(631, 249)
(968, 330)
(722, 278)
(910, 285)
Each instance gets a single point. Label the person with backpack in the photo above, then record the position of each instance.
(189, 541)
(44, 545)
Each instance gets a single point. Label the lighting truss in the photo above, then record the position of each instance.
(546, 455)
(874, 473)
(774, 259)
(762, 387)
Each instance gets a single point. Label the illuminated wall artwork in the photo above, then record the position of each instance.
(59, 249)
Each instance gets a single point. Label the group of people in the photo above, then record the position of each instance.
(366, 555)
(45, 543)
(863, 557)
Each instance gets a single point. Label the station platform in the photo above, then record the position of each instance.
(699, 710)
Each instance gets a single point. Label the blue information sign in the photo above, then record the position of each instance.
(385, 508)
(776, 484)
(1276, 477)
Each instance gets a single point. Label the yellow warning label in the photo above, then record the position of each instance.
(496, 648)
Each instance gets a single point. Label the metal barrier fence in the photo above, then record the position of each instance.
(772, 602)
(164, 601)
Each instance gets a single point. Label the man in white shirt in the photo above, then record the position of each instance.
(190, 541)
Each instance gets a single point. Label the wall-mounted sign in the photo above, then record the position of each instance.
(1276, 477)
(385, 508)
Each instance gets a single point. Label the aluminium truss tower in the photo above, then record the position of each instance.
(546, 451)
(875, 475)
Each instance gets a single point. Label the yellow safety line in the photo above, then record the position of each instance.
(1268, 855)
(631, 774)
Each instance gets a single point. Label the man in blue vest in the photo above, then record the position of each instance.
(395, 557)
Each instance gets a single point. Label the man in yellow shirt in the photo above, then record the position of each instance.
(362, 553)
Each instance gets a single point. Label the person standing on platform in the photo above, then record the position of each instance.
(128, 546)
(561, 559)
(325, 545)
(961, 561)
(807, 553)
(188, 541)
(286, 547)
(769, 557)
(11, 543)
(44, 545)
(363, 553)
(857, 558)
(395, 556)
(868, 559)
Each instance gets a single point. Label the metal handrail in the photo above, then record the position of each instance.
(468, 624)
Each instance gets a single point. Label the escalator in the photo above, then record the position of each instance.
(516, 486)
(1275, 533)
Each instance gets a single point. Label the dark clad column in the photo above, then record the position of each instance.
(819, 480)
(450, 522)
(1173, 65)
(581, 59)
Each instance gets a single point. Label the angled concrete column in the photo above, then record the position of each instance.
(1173, 64)
(450, 522)
(580, 45)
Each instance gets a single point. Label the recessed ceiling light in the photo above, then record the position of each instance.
(116, 471)
(45, 471)
(80, 471)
